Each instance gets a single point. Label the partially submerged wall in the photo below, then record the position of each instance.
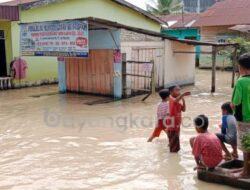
(170, 68)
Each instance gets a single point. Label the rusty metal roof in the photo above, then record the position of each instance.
(226, 13)
(180, 21)
(10, 13)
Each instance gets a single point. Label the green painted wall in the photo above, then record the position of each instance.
(185, 33)
(6, 27)
(41, 68)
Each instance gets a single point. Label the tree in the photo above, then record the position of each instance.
(244, 47)
(163, 7)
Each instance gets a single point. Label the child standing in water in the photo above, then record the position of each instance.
(162, 113)
(241, 105)
(206, 146)
(228, 131)
(241, 96)
(177, 105)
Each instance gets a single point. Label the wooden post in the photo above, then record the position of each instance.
(152, 82)
(124, 77)
(234, 66)
(153, 78)
(214, 53)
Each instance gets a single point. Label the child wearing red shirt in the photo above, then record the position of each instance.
(175, 110)
(206, 146)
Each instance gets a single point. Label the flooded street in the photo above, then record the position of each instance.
(50, 141)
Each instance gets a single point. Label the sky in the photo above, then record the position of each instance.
(139, 3)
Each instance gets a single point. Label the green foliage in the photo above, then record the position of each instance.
(246, 142)
(244, 47)
(163, 7)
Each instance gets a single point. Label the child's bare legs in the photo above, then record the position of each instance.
(228, 154)
(235, 152)
(151, 138)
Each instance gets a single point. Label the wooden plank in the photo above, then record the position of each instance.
(192, 52)
(140, 76)
(124, 77)
(91, 75)
(110, 72)
(70, 75)
(137, 62)
(67, 74)
(88, 72)
(76, 74)
(94, 74)
(101, 66)
(139, 89)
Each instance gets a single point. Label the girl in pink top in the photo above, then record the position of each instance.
(206, 146)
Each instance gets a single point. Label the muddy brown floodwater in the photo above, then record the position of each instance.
(59, 142)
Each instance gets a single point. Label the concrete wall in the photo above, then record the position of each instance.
(171, 68)
(104, 39)
(179, 68)
(104, 9)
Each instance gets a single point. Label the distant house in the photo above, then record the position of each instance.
(215, 25)
(114, 27)
(181, 26)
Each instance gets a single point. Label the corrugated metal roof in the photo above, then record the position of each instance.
(179, 20)
(9, 13)
(226, 13)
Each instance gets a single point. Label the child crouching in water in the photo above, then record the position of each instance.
(228, 131)
(162, 113)
(206, 146)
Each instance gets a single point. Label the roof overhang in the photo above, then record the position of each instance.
(110, 24)
(9, 13)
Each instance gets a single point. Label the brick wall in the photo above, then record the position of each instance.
(129, 36)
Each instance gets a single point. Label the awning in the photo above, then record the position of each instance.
(10, 13)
